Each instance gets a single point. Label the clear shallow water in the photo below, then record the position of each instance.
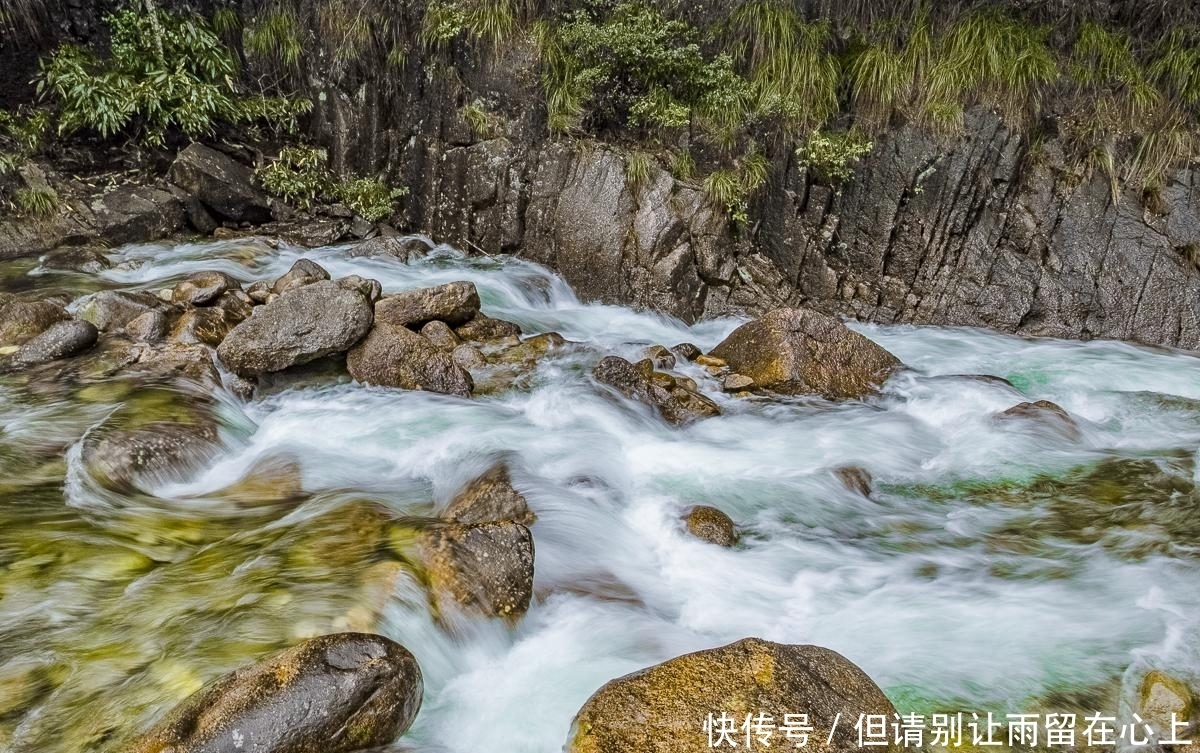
(999, 566)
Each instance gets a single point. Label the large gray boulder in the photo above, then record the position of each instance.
(454, 303)
(225, 187)
(300, 326)
(112, 309)
(803, 352)
(394, 356)
(332, 694)
(662, 709)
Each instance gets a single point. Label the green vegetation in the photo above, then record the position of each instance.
(489, 21)
(275, 36)
(482, 123)
(634, 67)
(36, 202)
(638, 166)
(300, 175)
(731, 189)
(831, 156)
(166, 73)
(21, 135)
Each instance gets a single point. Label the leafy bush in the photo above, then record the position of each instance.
(831, 156)
(371, 199)
(731, 189)
(21, 135)
(166, 72)
(634, 66)
(300, 175)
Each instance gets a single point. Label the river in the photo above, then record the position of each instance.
(997, 566)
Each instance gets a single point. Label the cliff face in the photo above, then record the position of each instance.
(975, 231)
(980, 230)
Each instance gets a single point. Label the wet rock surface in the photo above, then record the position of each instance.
(392, 356)
(485, 567)
(656, 709)
(677, 405)
(711, 525)
(333, 694)
(60, 340)
(799, 351)
(454, 303)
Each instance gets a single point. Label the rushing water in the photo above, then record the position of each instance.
(999, 566)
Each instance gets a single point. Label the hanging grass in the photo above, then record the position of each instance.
(789, 62)
(276, 36)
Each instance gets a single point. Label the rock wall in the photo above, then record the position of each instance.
(977, 231)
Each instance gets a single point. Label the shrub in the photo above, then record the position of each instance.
(489, 21)
(21, 135)
(166, 72)
(275, 36)
(371, 199)
(732, 188)
(482, 123)
(300, 175)
(831, 156)
(632, 66)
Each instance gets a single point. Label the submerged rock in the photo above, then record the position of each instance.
(77, 259)
(677, 405)
(662, 709)
(332, 694)
(798, 351)
(454, 303)
(854, 478)
(1043, 412)
(302, 325)
(490, 497)
(486, 567)
(140, 458)
(61, 340)
(710, 524)
(21, 321)
(393, 356)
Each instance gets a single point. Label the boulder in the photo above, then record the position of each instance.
(136, 214)
(21, 321)
(332, 694)
(487, 568)
(203, 288)
(687, 351)
(111, 309)
(677, 405)
(1159, 697)
(224, 186)
(300, 326)
(661, 357)
(259, 291)
(148, 327)
(303, 272)
(440, 335)
(483, 329)
(799, 351)
(61, 340)
(736, 383)
(469, 357)
(454, 303)
(488, 498)
(663, 708)
(394, 356)
(711, 525)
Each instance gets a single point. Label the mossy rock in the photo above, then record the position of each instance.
(663, 708)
